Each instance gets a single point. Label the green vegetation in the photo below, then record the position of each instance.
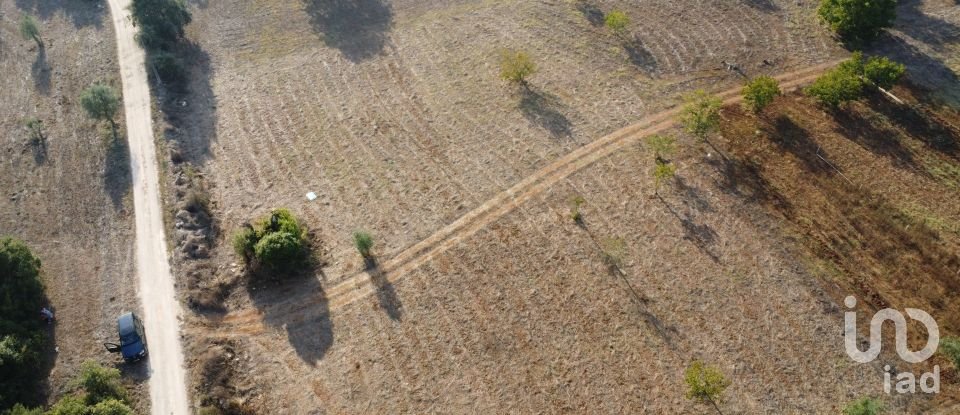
(863, 406)
(614, 251)
(97, 390)
(617, 22)
(35, 127)
(21, 331)
(883, 72)
(29, 29)
(858, 21)
(701, 114)
(169, 68)
(101, 102)
(950, 347)
(662, 171)
(277, 243)
(161, 22)
(575, 204)
(662, 145)
(516, 66)
(364, 243)
(760, 92)
(705, 384)
(845, 82)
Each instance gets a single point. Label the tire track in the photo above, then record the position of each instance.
(357, 286)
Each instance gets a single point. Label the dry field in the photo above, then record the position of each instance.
(68, 201)
(393, 114)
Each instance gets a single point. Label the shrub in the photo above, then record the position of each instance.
(35, 126)
(858, 21)
(100, 383)
(662, 172)
(950, 347)
(168, 68)
(863, 406)
(617, 22)
(760, 92)
(704, 383)
(161, 22)
(277, 243)
(364, 243)
(701, 114)
(575, 204)
(662, 145)
(29, 29)
(883, 72)
(516, 66)
(614, 251)
(110, 407)
(69, 405)
(101, 102)
(836, 87)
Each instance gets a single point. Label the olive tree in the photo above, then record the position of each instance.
(760, 92)
(516, 66)
(21, 332)
(705, 384)
(858, 21)
(101, 102)
(29, 29)
(836, 88)
(701, 114)
(161, 22)
(277, 243)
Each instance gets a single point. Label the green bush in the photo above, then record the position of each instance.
(276, 243)
(516, 66)
(161, 22)
(168, 68)
(883, 72)
(19, 409)
(100, 383)
(858, 21)
(21, 331)
(836, 87)
(101, 102)
(363, 241)
(701, 114)
(110, 407)
(950, 347)
(863, 406)
(69, 405)
(760, 92)
(705, 383)
(617, 21)
(662, 145)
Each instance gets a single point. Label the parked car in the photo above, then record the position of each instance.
(133, 342)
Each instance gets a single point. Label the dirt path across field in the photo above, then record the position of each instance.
(161, 310)
(358, 286)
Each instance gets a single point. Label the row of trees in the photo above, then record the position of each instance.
(846, 82)
(96, 390)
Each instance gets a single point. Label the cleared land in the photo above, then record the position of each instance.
(393, 114)
(68, 199)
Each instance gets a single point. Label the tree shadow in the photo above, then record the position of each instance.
(700, 234)
(639, 55)
(48, 356)
(357, 28)
(871, 136)
(81, 13)
(935, 32)
(386, 293)
(922, 68)
(918, 124)
(190, 110)
(544, 110)
(794, 139)
(309, 328)
(693, 195)
(40, 71)
(763, 5)
(117, 178)
(591, 12)
(745, 180)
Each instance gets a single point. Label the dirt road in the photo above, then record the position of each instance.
(358, 285)
(161, 310)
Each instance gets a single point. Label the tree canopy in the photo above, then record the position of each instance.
(30, 30)
(617, 22)
(21, 335)
(161, 22)
(101, 102)
(516, 66)
(276, 243)
(858, 21)
(760, 92)
(701, 114)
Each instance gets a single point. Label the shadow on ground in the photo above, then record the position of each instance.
(40, 71)
(357, 28)
(386, 294)
(190, 110)
(309, 329)
(80, 12)
(117, 179)
(923, 68)
(544, 110)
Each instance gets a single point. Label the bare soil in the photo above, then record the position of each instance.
(393, 114)
(68, 198)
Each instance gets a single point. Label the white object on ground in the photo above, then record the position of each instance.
(311, 196)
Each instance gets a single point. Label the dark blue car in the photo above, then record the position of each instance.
(133, 342)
